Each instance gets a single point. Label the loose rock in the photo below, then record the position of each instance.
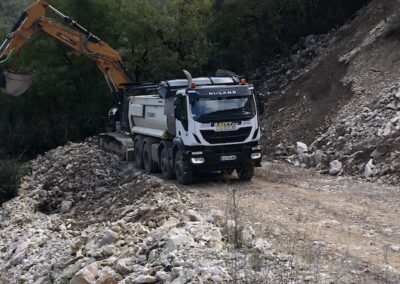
(335, 167)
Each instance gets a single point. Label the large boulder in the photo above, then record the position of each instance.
(108, 276)
(301, 148)
(109, 237)
(86, 275)
(369, 169)
(144, 279)
(335, 167)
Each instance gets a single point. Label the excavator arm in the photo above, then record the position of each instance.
(75, 36)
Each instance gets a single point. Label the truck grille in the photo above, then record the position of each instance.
(213, 137)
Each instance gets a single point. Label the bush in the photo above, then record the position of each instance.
(10, 175)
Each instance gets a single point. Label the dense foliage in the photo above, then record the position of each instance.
(157, 39)
(10, 10)
(246, 33)
(10, 174)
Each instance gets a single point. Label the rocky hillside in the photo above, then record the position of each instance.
(336, 102)
(85, 217)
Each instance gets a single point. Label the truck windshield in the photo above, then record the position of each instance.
(216, 109)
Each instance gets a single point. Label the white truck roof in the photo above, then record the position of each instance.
(182, 83)
(168, 89)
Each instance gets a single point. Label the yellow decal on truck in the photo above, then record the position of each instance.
(225, 126)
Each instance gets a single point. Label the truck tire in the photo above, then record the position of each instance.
(166, 168)
(149, 165)
(138, 144)
(182, 174)
(246, 173)
(228, 172)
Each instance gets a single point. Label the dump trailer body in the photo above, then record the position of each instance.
(148, 116)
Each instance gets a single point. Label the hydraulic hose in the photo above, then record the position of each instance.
(86, 51)
(8, 57)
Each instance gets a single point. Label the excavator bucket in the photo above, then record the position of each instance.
(15, 83)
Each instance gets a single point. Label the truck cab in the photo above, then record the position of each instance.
(200, 125)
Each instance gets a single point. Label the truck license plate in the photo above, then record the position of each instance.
(226, 128)
(229, 158)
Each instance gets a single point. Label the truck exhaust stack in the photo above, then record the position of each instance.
(15, 83)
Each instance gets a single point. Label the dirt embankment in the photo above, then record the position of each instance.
(83, 216)
(346, 102)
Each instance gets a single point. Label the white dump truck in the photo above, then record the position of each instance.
(181, 127)
(196, 125)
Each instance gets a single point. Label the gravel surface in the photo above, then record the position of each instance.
(85, 217)
(336, 229)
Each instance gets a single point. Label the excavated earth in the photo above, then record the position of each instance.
(339, 96)
(85, 217)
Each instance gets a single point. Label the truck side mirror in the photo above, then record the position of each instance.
(260, 104)
(178, 101)
(177, 110)
(178, 113)
(193, 97)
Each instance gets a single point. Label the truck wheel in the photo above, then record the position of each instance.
(138, 152)
(246, 173)
(182, 175)
(165, 165)
(149, 165)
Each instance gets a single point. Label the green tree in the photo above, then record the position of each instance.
(9, 10)
(248, 33)
(10, 175)
(70, 99)
(160, 38)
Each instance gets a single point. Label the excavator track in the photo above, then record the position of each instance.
(118, 143)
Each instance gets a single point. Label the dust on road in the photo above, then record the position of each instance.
(343, 228)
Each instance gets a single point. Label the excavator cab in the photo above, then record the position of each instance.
(15, 83)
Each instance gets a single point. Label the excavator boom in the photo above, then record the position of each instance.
(74, 36)
(14, 82)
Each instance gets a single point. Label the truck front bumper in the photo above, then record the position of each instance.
(219, 158)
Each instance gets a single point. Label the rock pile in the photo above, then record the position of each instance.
(364, 144)
(347, 106)
(85, 217)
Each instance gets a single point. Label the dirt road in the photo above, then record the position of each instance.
(341, 229)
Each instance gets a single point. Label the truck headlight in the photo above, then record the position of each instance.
(198, 161)
(256, 148)
(256, 156)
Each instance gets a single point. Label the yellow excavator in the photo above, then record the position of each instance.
(78, 38)
(74, 36)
